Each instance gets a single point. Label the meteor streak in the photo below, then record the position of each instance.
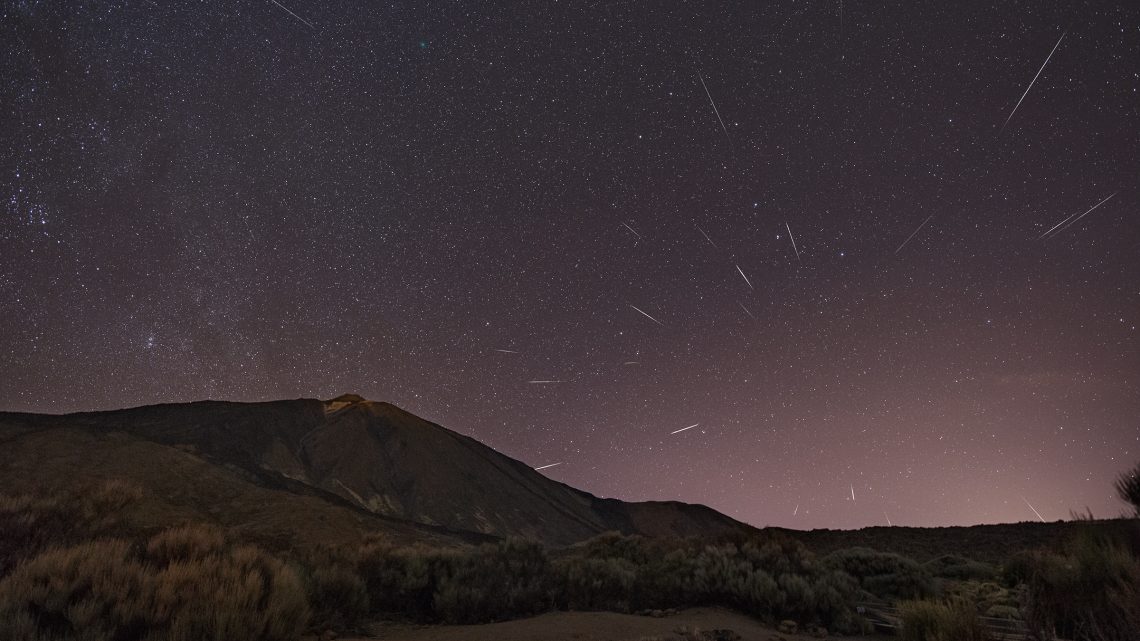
(632, 230)
(307, 23)
(793, 239)
(914, 232)
(1033, 508)
(1074, 220)
(684, 428)
(706, 236)
(1031, 82)
(647, 315)
(546, 466)
(745, 278)
(715, 110)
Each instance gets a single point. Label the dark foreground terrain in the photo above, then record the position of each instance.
(687, 625)
(275, 520)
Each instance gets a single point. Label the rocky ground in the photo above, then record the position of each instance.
(696, 624)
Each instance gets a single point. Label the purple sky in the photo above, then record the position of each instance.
(436, 203)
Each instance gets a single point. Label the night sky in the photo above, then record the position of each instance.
(439, 204)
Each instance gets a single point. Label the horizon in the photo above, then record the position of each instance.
(1073, 514)
(816, 266)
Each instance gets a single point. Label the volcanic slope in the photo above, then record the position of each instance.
(322, 470)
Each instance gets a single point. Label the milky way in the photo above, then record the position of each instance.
(458, 207)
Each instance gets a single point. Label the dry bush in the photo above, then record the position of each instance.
(30, 524)
(243, 595)
(400, 580)
(338, 598)
(1090, 592)
(883, 574)
(954, 620)
(493, 582)
(486, 583)
(960, 568)
(767, 575)
(89, 590)
(775, 579)
(594, 584)
(184, 543)
(108, 589)
(987, 597)
(1128, 488)
(112, 495)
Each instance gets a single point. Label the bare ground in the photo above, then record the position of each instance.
(594, 626)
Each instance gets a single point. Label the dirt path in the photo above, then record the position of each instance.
(593, 626)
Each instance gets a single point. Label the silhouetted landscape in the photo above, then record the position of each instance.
(659, 320)
(352, 517)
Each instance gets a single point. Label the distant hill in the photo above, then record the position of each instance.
(321, 471)
(989, 543)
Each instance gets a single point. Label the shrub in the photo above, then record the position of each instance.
(338, 598)
(1019, 568)
(767, 575)
(1003, 612)
(584, 583)
(108, 590)
(184, 543)
(110, 497)
(493, 582)
(1128, 488)
(719, 575)
(1090, 591)
(614, 545)
(778, 555)
(243, 595)
(832, 594)
(666, 580)
(399, 580)
(953, 620)
(91, 590)
(985, 597)
(952, 566)
(885, 575)
(487, 583)
(770, 577)
(30, 524)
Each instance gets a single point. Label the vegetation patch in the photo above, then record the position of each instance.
(111, 589)
(953, 620)
(70, 568)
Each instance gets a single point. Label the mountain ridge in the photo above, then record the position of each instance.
(372, 456)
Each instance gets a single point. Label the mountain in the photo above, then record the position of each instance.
(321, 471)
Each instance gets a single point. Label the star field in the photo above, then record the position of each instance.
(571, 229)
